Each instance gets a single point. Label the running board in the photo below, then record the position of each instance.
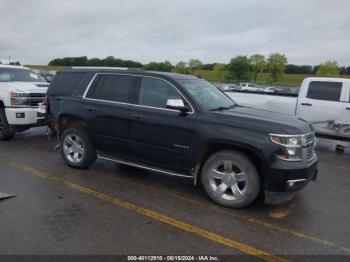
(144, 167)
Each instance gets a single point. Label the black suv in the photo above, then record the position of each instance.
(183, 126)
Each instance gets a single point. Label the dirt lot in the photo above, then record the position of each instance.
(113, 209)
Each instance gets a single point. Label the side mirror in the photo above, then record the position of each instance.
(177, 104)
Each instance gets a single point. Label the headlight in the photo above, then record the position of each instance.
(292, 141)
(19, 99)
(291, 146)
(19, 94)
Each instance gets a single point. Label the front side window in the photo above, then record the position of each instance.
(156, 92)
(19, 75)
(207, 95)
(329, 91)
(111, 87)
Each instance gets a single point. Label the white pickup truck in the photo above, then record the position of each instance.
(22, 92)
(324, 102)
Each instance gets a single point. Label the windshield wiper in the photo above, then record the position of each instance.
(222, 108)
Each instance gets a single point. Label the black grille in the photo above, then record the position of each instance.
(35, 99)
(310, 150)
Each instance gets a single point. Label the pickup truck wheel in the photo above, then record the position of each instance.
(230, 179)
(76, 148)
(5, 131)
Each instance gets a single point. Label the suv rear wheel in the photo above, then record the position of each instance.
(5, 131)
(230, 179)
(76, 148)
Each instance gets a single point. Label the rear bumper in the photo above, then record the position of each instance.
(284, 179)
(24, 116)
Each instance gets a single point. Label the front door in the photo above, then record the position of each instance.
(161, 137)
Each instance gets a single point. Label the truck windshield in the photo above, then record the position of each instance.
(207, 95)
(19, 75)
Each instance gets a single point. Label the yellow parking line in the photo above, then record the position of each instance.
(252, 220)
(152, 214)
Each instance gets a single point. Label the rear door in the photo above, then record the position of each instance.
(159, 136)
(107, 104)
(321, 103)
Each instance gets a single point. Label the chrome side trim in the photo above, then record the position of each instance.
(143, 167)
(122, 103)
(296, 180)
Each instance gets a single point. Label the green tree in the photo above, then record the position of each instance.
(276, 64)
(194, 64)
(258, 64)
(220, 71)
(181, 67)
(328, 68)
(162, 66)
(239, 68)
(94, 62)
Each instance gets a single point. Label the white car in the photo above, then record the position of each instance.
(22, 93)
(249, 87)
(323, 102)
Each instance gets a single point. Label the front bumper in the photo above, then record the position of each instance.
(283, 179)
(18, 116)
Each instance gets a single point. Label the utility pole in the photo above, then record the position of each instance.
(9, 59)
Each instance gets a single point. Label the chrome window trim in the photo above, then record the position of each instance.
(100, 67)
(123, 103)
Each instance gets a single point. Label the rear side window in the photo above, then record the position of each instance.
(329, 91)
(110, 87)
(156, 92)
(65, 83)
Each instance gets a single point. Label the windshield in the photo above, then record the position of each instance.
(19, 75)
(207, 95)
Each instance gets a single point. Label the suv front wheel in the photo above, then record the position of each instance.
(76, 148)
(230, 179)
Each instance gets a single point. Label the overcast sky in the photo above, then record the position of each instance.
(307, 31)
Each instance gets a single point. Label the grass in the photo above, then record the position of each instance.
(293, 80)
(287, 80)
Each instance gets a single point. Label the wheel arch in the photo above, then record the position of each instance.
(68, 120)
(212, 147)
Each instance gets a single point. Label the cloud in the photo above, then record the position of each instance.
(308, 32)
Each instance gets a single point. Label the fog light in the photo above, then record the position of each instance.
(20, 115)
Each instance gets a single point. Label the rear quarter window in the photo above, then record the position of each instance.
(65, 83)
(112, 87)
(329, 91)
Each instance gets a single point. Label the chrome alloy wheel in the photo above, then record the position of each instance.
(227, 180)
(73, 148)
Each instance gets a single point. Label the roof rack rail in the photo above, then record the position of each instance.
(99, 67)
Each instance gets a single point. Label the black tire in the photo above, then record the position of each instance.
(88, 156)
(247, 180)
(5, 130)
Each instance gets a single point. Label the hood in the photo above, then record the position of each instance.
(33, 87)
(265, 121)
